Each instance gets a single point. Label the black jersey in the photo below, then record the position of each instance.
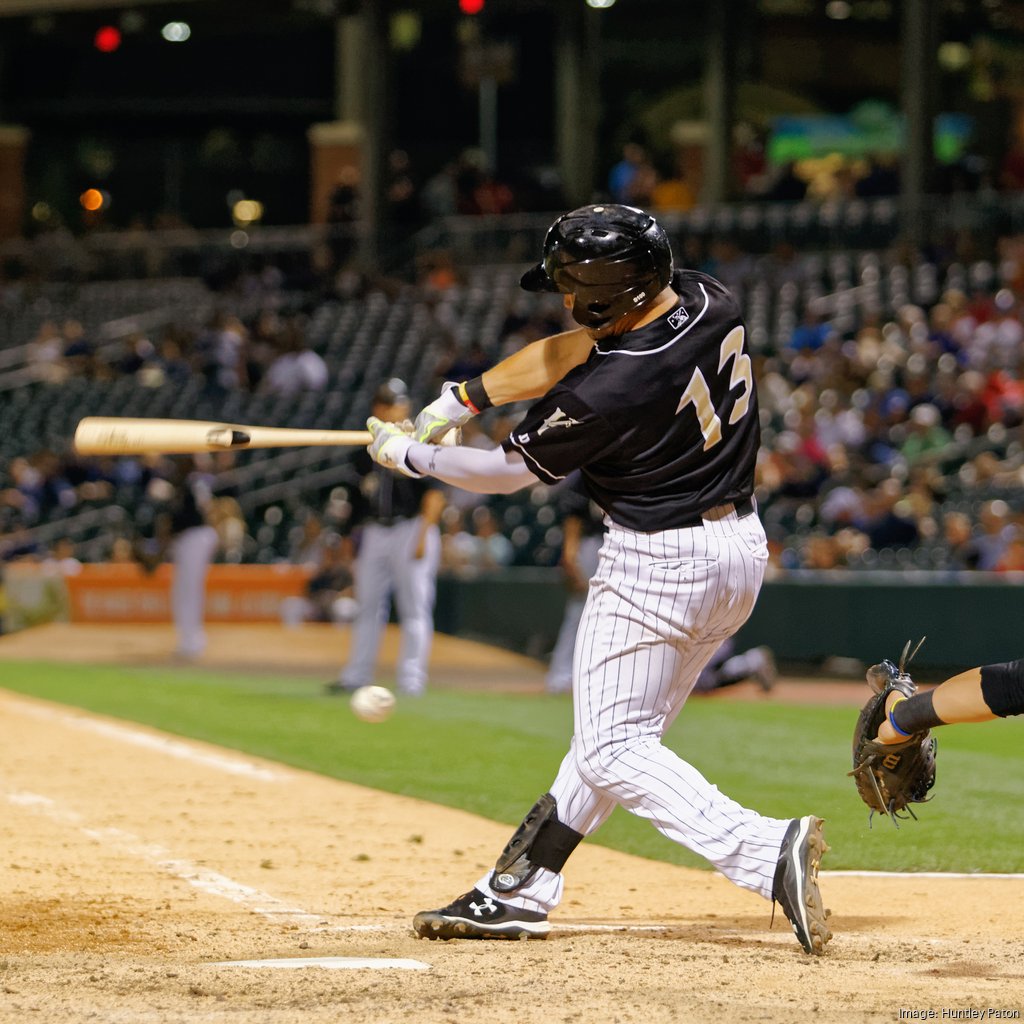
(662, 420)
(385, 497)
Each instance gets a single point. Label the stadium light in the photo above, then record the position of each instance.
(107, 39)
(601, 5)
(176, 31)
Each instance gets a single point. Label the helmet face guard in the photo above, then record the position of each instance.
(612, 259)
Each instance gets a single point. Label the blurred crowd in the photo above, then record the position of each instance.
(892, 437)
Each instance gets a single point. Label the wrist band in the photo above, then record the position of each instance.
(916, 714)
(892, 721)
(464, 398)
(474, 396)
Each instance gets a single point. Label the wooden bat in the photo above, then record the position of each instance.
(125, 435)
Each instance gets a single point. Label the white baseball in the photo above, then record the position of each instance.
(372, 703)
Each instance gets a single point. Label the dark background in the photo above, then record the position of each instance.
(175, 127)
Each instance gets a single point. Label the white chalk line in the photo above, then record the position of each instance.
(331, 963)
(911, 875)
(215, 884)
(211, 882)
(150, 741)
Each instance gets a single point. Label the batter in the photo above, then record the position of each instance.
(653, 398)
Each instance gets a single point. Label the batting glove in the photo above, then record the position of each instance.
(446, 412)
(390, 446)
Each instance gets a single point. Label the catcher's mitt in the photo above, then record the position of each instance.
(891, 776)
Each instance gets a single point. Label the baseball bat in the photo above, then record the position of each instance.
(125, 435)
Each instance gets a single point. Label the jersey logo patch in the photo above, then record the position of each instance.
(557, 419)
(677, 318)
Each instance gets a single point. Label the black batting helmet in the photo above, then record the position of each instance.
(610, 258)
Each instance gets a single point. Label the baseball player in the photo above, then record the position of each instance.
(182, 530)
(977, 695)
(399, 553)
(653, 398)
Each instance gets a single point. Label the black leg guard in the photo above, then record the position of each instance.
(1002, 687)
(541, 841)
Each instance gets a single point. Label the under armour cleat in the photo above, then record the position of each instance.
(476, 916)
(796, 883)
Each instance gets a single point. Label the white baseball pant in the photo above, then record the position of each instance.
(657, 609)
(193, 551)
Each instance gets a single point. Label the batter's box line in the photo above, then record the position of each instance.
(154, 741)
(985, 876)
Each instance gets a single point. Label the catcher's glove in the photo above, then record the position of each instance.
(891, 776)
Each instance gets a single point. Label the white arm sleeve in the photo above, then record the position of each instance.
(492, 471)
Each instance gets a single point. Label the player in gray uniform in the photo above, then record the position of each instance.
(653, 398)
(399, 554)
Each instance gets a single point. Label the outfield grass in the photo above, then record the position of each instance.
(494, 754)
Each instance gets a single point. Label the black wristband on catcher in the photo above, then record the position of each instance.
(473, 390)
(1002, 688)
(916, 714)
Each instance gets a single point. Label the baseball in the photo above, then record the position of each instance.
(372, 703)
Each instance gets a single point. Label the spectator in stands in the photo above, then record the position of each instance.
(329, 591)
(343, 214)
(887, 522)
(307, 541)
(812, 333)
(45, 354)
(79, 351)
(221, 350)
(1012, 559)
(996, 531)
(960, 551)
(491, 549)
(456, 541)
(400, 193)
(297, 369)
(673, 194)
(466, 364)
(621, 177)
(225, 515)
(998, 343)
(926, 437)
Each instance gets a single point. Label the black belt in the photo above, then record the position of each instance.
(742, 509)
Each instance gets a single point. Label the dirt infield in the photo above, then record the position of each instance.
(134, 865)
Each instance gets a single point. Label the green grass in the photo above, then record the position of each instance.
(494, 754)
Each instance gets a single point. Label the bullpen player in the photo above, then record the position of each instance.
(653, 398)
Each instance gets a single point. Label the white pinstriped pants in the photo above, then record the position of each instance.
(658, 607)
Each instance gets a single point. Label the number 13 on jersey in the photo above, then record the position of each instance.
(698, 394)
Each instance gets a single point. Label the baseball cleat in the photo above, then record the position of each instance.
(796, 883)
(336, 688)
(476, 916)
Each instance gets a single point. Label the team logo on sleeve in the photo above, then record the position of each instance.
(677, 318)
(557, 419)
